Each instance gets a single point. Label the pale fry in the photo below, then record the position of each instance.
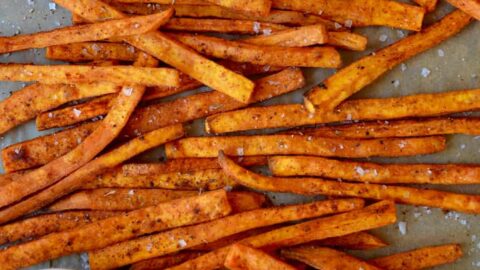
(221, 26)
(296, 37)
(355, 241)
(471, 7)
(241, 257)
(429, 5)
(346, 40)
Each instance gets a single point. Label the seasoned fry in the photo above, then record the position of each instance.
(325, 57)
(76, 180)
(429, 5)
(166, 261)
(171, 241)
(221, 26)
(89, 32)
(295, 37)
(326, 258)
(444, 174)
(85, 51)
(346, 40)
(360, 241)
(202, 147)
(294, 115)
(471, 7)
(241, 257)
(9, 177)
(420, 258)
(246, 201)
(316, 186)
(361, 73)
(38, 226)
(112, 230)
(374, 216)
(121, 75)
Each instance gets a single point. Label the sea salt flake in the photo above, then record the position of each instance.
(425, 72)
(77, 112)
(127, 91)
(348, 23)
(256, 27)
(337, 26)
(403, 67)
(267, 32)
(52, 6)
(441, 53)
(182, 243)
(402, 227)
(240, 151)
(131, 192)
(383, 38)
(359, 170)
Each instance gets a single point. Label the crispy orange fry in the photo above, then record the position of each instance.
(166, 261)
(325, 57)
(471, 7)
(241, 257)
(9, 177)
(420, 258)
(361, 73)
(86, 173)
(356, 241)
(315, 186)
(346, 40)
(374, 216)
(112, 230)
(429, 5)
(202, 147)
(294, 115)
(295, 37)
(88, 32)
(221, 26)
(133, 251)
(85, 51)
(444, 174)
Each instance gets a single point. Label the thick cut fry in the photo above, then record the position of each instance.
(360, 12)
(294, 115)
(166, 261)
(297, 37)
(444, 174)
(420, 258)
(316, 186)
(170, 51)
(471, 7)
(118, 228)
(374, 216)
(429, 5)
(38, 226)
(86, 51)
(346, 40)
(202, 147)
(221, 26)
(355, 241)
(121, 75)
(89, 32)
(76, 180)
(168, 242)
(361, 73)
(241, 257)
(326, 258)
(9, 177)
(325, 57)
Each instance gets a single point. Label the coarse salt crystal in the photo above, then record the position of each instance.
(337, 26)
(30, 2)
(267, 31)
(182, 243)
(240, 151)
(348, 23)
(402, 144)
(149, 247)
(127, 91)
(441, 53)
(396, 83)
(52, 6)
(402, 227)
(50, 115)
(359, 170)
(403, 67)
(131, 192)
(77, 112)
(256, 27)
(425, 72)
(383, 38)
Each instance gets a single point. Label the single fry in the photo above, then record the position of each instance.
(374, 216)
(361, 73)
(429, 5)
(9, 177)
(296, 37)
(420, 258)
(121, 75)
(37, 226)
(86, 51)
(221, 26)
(164, 243)
(112, 230)
(264, 145)
(471, 7)
(315, 186)
(241, 257)
(88, 172)
(166, 261)
(355, 241)
(360, 12)
(346, 40)
(443, 174)
(88, 32)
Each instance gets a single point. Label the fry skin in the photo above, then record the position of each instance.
(168, 242)
(315, 186)
(471, 7)
(296, 37)
(259, 145)
(355, 241)
(361, 73)
(241, 257)
(112, 230)
(429, 5)
(166, 261)
(221, 26)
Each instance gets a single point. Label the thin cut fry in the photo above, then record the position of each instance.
(360, 12)
(166, 261)
(295, 37)
(89, 32)
(374, 216)
(326, 258)
(76, 180)
(325, 57)
(241, 257)
(471, 7)
(355, 241)
(86, 51)
(259, 145)
(346, 40)
(444, 174)
(420, 258)
(112, 230)
(361, 73)
(429, 5)
(35, 227)
(221, 26)
(171, 241)
(316, 186)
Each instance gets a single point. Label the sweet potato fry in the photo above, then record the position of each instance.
(420, 258)
(325, 57)
(295, 37)
(374, 216)
(121, 75)
(361, 73)
(89, 32)
(202, 147)
(429, 5)
(76, 180)
(112, 230)
(171, 241)
(471, 7)
(166, 261)
(360, 12)
(355, 241)
(346, 40)
(170, 51)
(9, 177)
(86, 51)
(37, 226)
(241, 257)
(443, 174)
(221, 26)
(294, 115)
(316, 186)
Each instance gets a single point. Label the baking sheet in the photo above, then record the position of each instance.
(457, 69)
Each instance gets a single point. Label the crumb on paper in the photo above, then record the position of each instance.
(348, 23)
(441, 53)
